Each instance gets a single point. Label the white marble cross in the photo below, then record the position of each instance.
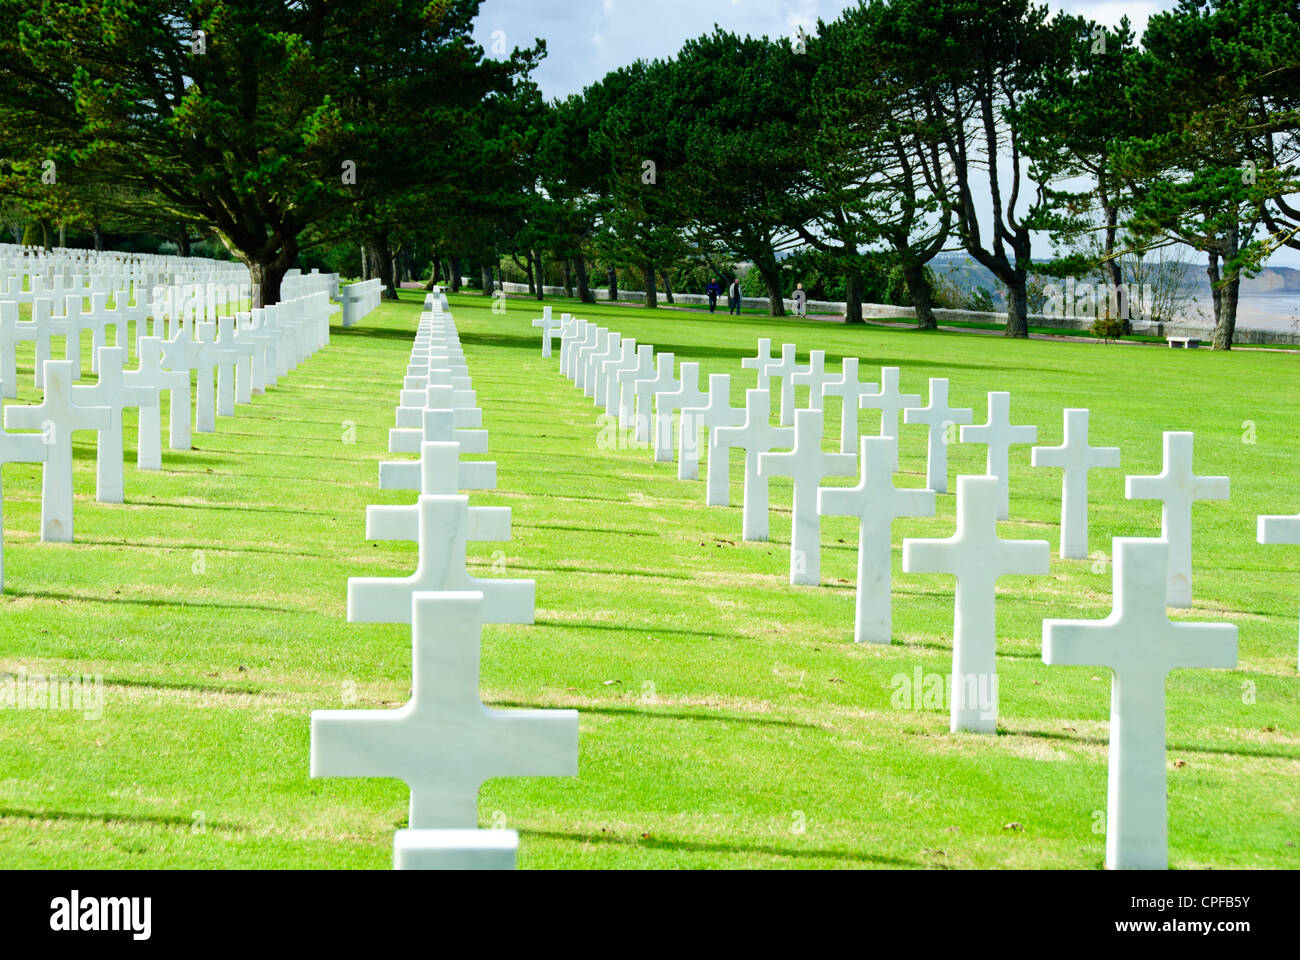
(759, 363)
(890, 402)
(57, 417)
(9, 337)
(444, 743)
(111, 391)
(579, 333)
(1140, 645)
(645, 390)
(438, 471)
(605, 365)
(755, 436)
(1076, 457)
(876, 502)
(939, 417)
(667, 402)
(611, 349)
(550, 327)
(977, 558)
(998, 434)
(150, 374)
(1279, 530)
(1177, 487)
(848, 388)
(205, 409)
(595, 346)
(718, 412)
(439, 425)
(38, 330)
(228, 354)
(445, 524)
(17, 448)
(783, 370)
(495, 848)
(182, 354)
(814, 377)
(807, 465)
(641, 368)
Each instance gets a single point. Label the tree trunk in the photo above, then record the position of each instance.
(1017, 307)
(613, 283)
(918, 285)
(487, 280)
(771, 274)
(584, 289)
(382, 258)
(63, 233)
(651, 293)
(528, 271)
(668, 287)
(541, 277)
(45, 235)
(568, 278)
(183, 244)
(365, 263)
(852, 298)
(455, 274)
(98, 234)
(1225, 301)
(267, 275)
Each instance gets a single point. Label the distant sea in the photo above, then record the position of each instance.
(1270, 311)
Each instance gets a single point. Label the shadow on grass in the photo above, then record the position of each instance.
(600, 571)
(234, 508)
(947, 648)
(613, 531)
(702, 846)
(195, 685)
(660, 713)
(638, 628)
(159, 820)
(1169, 749)
(86, 598)
(210, 547)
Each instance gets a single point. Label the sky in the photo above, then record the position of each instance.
(586, 39)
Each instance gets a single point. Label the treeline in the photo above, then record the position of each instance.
(379, 135)
(907, 128)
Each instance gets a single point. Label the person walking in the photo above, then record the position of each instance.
(733, 298)
(714, 290)
(800, 301)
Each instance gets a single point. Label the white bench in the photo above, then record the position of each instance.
(1187, 343)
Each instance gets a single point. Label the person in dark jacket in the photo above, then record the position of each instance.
(714, 290)
(733, 298)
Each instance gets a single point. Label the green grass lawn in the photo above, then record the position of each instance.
(727, 720)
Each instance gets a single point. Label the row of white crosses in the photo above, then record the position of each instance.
(1138, 642)
(444, 743)
(234, 359)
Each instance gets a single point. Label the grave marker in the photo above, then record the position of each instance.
(977, 557)
(1140, 645)
(58, 416)
(998, 434)
(1076, 457)
(876, 502)
(938, 416)
(807, 465)
(755, 436)
(1177, 487)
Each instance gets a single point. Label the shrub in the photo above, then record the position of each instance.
(1105, 329)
